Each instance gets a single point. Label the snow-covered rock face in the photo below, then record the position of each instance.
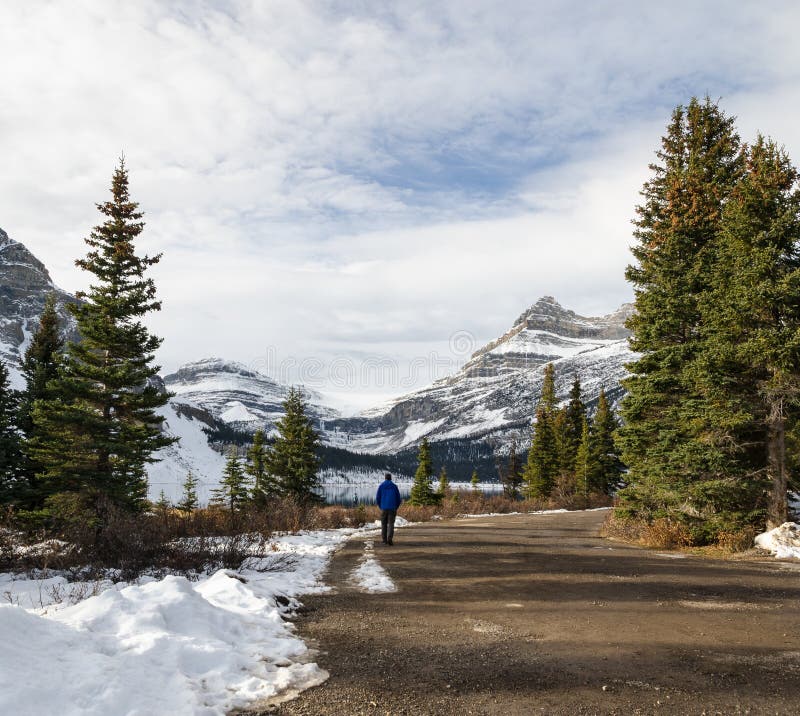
(495, 393)
(236, 395)
(24, 286)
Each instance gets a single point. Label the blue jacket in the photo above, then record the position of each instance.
(388, 497)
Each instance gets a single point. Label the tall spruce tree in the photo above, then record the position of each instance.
(665, 433)
(10, 459)
(293, 460)
(233, 488)
(583, 461)
(751, 325)
(574, 415)
(605, 467)
(543, 464)
(421, 492)
(99, 428)
(39, 368)
(264, 485)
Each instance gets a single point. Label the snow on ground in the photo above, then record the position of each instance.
(783, 542)
(369, 576)
(162, 646)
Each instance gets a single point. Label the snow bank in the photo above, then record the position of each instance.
(783, 541)
(163, 646)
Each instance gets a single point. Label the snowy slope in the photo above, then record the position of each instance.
(192, 454)
(494, 394)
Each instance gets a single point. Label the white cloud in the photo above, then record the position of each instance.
(334, 177)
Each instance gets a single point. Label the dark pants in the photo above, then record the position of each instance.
(387, 524)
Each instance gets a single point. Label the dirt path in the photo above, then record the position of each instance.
(537, 614)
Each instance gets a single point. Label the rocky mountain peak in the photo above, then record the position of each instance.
(24, 286)
(549, 315)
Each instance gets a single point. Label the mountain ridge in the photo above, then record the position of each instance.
(489, 401)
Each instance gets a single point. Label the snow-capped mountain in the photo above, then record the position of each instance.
(495, 393)
(492, 397)
(235, 395)
(24, 286)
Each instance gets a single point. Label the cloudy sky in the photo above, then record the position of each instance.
(342, 186)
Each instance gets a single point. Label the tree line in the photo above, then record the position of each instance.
(571, 453)
(710, 419)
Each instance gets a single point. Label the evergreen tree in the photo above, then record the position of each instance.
(751, 323)
(583, 461)
(232, 490)
(99, 429)
(39, 368)
(421, 493)
(163, 505)
(548, 398)
(475, 481)
(542, 466)
(9, 438)
(256, 467)
(572, 425)
(511, 477)
(605, 466)
(40, 363)
(664, 436)
(189, 500)
(444, 484)
(293, 461)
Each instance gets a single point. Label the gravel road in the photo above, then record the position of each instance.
(536, 614)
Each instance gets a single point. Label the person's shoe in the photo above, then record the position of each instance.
(386, 542)
(389, 542)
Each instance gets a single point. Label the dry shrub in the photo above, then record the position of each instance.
(660, 533)
(417, 513)
(625, 530)
(331, 518)
(738, 540)
(666, 533)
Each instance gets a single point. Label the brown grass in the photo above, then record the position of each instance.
(662, 533)
(666, 533)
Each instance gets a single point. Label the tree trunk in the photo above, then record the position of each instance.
(776, 465)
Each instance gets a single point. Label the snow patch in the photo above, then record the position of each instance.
(416, 430)
(783, 542)
(369, 576)
(238, 413)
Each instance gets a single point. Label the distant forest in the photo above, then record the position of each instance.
(460, 456)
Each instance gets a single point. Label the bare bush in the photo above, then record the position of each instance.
(660, 533)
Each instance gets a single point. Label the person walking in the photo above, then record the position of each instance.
(388, 499)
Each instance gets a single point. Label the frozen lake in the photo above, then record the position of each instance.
(358, 494)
